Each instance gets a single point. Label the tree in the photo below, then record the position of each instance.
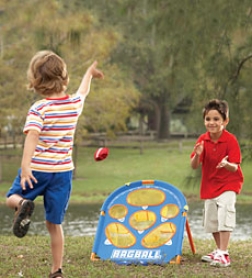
(224, 60)
(177, 50)
(159, 61)
(74, 35)
(170, 51)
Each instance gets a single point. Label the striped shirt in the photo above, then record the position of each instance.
(55, 120)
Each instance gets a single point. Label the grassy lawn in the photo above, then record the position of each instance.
(94, 181)
(30, 258)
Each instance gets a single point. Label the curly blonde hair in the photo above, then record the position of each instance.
(47, 73)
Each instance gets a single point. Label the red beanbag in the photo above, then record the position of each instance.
(101, 154)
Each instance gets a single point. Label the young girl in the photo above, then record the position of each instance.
(47, 165)
(218, 152)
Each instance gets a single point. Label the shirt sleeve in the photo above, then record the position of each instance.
(82, 99)
(234, 152)
(34, 121)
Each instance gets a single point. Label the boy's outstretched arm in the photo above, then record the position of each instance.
(92, 72)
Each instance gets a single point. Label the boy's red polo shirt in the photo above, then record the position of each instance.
(216, 181)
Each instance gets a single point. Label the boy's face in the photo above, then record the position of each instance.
(214, 122)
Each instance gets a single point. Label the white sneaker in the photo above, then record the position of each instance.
(221, 260)
(209, 257)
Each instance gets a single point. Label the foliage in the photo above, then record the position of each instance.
(107, 108)
(172, 52)
(76, 36)
(225, 32)
(183, 50)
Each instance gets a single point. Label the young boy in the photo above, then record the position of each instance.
(218, 152)
(46, 167)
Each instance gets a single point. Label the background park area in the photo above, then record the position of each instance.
(162, 61)
(128, 161)
(93, 182)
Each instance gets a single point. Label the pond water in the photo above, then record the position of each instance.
(82, 220)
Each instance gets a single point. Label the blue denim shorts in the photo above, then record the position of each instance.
(55, 189)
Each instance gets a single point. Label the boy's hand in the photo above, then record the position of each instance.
(198, 148)
(232, 167)
(27, 177)
(91, 72)
(223, 162)
(96, 73)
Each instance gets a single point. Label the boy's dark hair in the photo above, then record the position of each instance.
(215, 104)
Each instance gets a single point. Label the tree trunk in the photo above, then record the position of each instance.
(141, 124)
(154, 117)
(164, 124)
(0, 169)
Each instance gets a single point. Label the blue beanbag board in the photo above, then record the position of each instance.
(141, 222)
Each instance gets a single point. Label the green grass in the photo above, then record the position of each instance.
(31, 258)
(96, 180)
(127, 165)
